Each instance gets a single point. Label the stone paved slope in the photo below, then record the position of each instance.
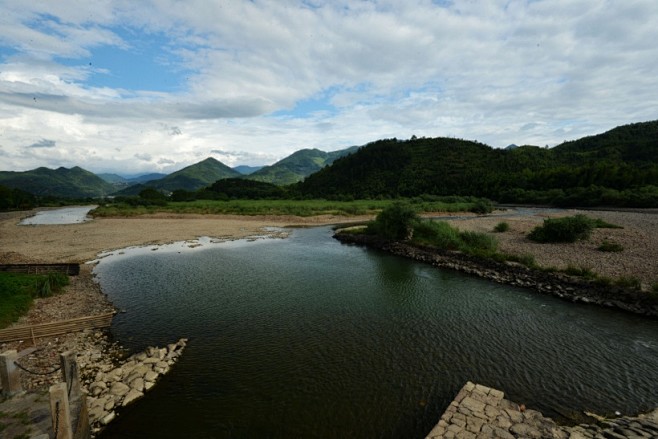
(479, 412)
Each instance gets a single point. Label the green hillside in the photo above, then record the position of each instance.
(190, 178)
(619, 167)
(61, 182)
(298, 166)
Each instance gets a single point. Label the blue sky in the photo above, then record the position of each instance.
(155, 85)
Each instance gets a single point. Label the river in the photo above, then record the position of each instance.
(307, 337)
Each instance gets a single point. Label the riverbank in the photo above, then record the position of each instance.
(638, 237)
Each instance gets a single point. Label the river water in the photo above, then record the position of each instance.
(67, 215)
(307, 337)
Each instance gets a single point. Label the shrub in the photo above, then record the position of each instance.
(567, 229)
(601, 224)
(607, 246)
(628, 282)
(395, 222)
(478, 241)
(482, 206)
(437, 233)
(580, 271)
(444, 236)
(501, 227)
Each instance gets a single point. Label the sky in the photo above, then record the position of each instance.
(131, 87)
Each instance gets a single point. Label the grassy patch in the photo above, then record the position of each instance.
(501, 227)
(302, 208)
(580, 272)
(566, 229)
(17, 291)
(628, 282)
(442, 235)
(607, 246)
(601, 224)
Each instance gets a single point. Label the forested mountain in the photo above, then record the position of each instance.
(298, 166)
(246, 170)
(61, 182)
(190, 178)
(619, 167)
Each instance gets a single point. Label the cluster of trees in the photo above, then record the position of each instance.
(618, 168)
(15, 199)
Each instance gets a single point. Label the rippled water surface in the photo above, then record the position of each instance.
(306, 337)
(67, 215)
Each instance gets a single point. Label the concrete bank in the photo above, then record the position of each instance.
(556, 284)
(479, 412)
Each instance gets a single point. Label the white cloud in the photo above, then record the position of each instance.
(499, 71)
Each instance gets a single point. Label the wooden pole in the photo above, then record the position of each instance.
(10, 374)
(60, 411)
(70, 374)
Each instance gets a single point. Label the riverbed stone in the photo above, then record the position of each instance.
(131, 396)
(119, 389)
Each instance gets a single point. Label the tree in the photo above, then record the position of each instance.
(395, 222)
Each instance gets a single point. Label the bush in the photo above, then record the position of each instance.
(628, 282)
(580, 271)
(482, 207)
(607, 246)
(444, 236)
(501, 227)
(395, 222)
(437, 233)
(567, 229)
(601, 224)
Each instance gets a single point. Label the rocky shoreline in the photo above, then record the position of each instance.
(557, 284)
(113, 386)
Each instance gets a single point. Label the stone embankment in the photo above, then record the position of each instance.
(113, 387)
(479, 412)
(554, 283)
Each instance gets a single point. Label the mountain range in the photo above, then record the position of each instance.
(618, 167)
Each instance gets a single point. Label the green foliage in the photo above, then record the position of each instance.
(395, 222)
(482, 207)
(607, 246)
(617, 168)
(628, 282)
(439, 234)
(601, 224)
(442, 235)
(18, 290)
(16, 199)
(131, 206)
(580, 272)
(526, 259)
(62, 182)
(566, 229)
(239, 188)
(501, 227)
(297, 166)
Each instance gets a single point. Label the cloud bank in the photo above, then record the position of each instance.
(157, 85)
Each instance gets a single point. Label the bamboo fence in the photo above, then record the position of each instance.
(32, 332)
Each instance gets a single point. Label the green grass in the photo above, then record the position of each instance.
(566, 229)
(501, 227)
(302, 208)
(17, 291)
(607, 246)
(601, 224)
(442, 235)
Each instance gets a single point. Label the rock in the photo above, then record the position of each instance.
(119, 389)
(108, 418)
(150, 376)
(131, 396)
(525, 430)
(137, 384)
